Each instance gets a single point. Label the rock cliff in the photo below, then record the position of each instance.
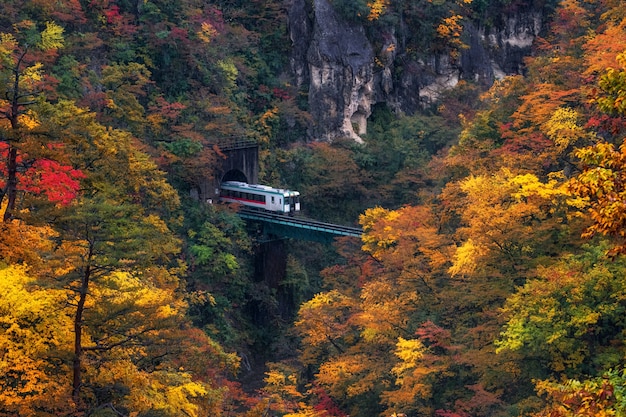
(346, 76)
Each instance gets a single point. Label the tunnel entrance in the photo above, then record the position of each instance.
(235, 175)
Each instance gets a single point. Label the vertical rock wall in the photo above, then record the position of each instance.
(340, 60)
(346, 77)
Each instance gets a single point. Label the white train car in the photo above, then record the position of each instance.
(260, 197)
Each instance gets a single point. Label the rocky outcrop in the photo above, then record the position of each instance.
(492, 54)
(346, 76)
(300, 33)
(341, 76)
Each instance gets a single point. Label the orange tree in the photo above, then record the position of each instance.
(602, 180)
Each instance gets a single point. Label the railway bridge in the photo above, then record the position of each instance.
(282, 226)
(241, 163)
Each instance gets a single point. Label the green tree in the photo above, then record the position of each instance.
(568, 321)
(396, 154)
(219, 269)
(329, 180)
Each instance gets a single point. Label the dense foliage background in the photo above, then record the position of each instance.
(489, 281)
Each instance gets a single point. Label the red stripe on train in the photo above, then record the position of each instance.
(243, 200)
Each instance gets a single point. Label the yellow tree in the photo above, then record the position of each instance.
(594, 397)
(352, 330)
(603, 184)
(508, 219)
(505, 223)
(120, 267)
(324, 322)
(35, 346)
(350, 370)
(410, 372)
(377, 8)
(132, 330)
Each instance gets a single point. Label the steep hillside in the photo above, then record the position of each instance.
(479, 145)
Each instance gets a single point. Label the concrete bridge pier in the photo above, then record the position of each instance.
(271, 268)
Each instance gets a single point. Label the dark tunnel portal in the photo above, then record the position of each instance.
(235, 175)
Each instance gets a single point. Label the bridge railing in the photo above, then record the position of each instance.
(300, 228)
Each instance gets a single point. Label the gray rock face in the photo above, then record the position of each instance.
(346, 77)
(340, 60)
(300, 32)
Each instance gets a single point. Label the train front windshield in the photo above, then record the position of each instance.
(294, 202)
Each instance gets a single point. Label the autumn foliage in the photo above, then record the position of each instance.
(500, 293)
(58, 183)
(489, 279)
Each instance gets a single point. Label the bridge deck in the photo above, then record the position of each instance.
(294, 226)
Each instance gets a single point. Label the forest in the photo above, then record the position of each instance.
(490, 279)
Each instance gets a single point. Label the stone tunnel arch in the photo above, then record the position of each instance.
(234, 175)
(238, 164)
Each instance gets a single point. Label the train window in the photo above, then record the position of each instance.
(273, 200)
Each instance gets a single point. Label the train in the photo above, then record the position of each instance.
(261, 197)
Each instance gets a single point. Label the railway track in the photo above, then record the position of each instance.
(300, 222)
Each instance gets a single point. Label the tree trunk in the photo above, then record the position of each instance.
(11, 187)
(78, 334)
